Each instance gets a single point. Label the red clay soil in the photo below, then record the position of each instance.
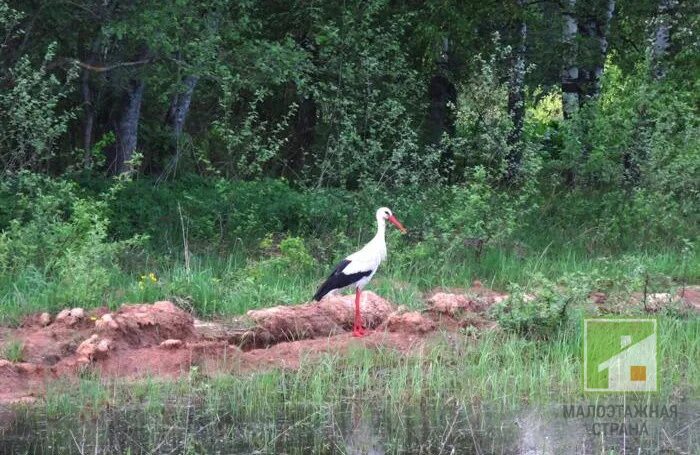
(691, 296)
(162, 340)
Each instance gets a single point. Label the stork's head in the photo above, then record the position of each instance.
(384, 213)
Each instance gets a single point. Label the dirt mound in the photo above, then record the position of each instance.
(126, 342)
(16, 381)
(451, 304)
(290, 355)
(467, 308)
(146, 325)
(163, 340)
(476, 299)
(331, 316)
(413, 322)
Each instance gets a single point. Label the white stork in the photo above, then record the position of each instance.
(358, 268)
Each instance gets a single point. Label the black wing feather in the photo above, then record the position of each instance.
(339, 280)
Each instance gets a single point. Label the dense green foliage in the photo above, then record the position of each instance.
(217, 143)
(224, 154)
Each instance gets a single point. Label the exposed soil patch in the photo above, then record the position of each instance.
(331, 316)
(161, 339)
(463, 308)
(685, 299)
(691, 296)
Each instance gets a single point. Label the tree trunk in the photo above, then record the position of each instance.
(180, 105)
(176, 117)
(127, 128)
(442, 92)
(88, 117)
(516, 96)
(596, 28)
(661, 37)
(443, 95)
(604, 32)
(304, 133)
(570, 74)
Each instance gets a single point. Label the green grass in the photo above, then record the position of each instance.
(12, 350)
(233, 284)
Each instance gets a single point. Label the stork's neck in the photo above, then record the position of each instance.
(381, 228)
(378, 241)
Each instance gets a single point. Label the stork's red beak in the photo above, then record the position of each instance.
(392, 219)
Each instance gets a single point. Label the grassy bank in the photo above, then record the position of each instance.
(227, 285)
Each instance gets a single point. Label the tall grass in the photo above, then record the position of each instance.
(412, 401)
(232, 284)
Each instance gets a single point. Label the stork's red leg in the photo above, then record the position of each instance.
(357, 329)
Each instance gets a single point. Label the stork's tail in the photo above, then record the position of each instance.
(325, 288)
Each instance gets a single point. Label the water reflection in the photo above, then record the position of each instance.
(356, 427)
(362, 435)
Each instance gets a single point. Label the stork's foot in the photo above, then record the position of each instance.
(359, 332)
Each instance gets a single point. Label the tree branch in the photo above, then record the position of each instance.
(104, 69)
(97, 68)
(534, 2)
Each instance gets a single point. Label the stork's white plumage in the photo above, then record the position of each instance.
(358, 268)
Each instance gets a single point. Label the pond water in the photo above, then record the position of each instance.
(363, 428)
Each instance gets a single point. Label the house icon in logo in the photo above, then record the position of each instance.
(620, 355)
(633, 369)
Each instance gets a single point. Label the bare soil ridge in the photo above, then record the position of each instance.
(162, 340)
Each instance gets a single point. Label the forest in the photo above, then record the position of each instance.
(223, 156)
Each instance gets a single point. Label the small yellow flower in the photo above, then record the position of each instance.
(143, 279)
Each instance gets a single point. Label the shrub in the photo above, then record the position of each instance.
(52, 228)
(538, 314)
(625, 168)
(291, 257)
(30, 119)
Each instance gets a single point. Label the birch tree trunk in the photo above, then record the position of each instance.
(176, 117)
(516, 96)
(127, 128)
(595, 28)
(570, 74)
(180, 105)
(661, 37)
(603, 33)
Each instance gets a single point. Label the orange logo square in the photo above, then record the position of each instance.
(638, 373)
